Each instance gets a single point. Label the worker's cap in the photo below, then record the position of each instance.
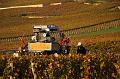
(79, 43)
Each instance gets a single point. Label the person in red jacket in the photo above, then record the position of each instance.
(64, 47)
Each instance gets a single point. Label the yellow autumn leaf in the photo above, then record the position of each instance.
(119, 71)
(102, 64)
(113, 75)
(81, 67)
(116, 65)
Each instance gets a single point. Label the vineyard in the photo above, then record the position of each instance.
(12, 42)
(92, 65)
(6, 3)
(74, 19)
(97, 26)
(67, 15)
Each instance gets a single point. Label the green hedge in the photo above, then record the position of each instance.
(72, 66)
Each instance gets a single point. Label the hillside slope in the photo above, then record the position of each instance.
(76, 20)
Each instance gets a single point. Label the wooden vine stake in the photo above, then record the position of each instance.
(33, 70)
(11, 65)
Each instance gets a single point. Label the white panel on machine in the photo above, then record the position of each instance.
(43, 26)
(40, 27)
(37, 27)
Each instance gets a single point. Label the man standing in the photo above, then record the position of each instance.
(81, 49)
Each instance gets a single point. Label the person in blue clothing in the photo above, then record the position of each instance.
(81, 49)
(55, 46)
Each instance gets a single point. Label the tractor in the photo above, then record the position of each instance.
(44, 42)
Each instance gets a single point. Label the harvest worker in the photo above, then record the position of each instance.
(81, 49)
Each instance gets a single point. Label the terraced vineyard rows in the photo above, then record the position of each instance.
(77, 22)
(83, 23)
(13, 42)
(86, 19)
(64, 9)
(69, 15)
(96, 38)
(92, 28)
